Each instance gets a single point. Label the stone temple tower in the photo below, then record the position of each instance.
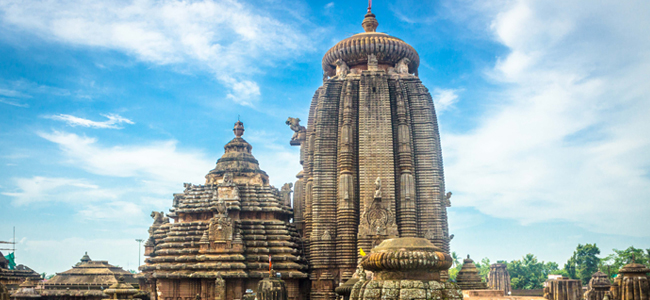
(371, 156)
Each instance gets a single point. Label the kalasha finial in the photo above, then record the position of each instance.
(370, 23)
(239, 129)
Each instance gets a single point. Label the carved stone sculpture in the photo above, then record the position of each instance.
(299, 131)
(219, 288)
(342, 69)
(286, 194)
(402, 66)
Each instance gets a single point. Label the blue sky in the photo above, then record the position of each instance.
(108, 107)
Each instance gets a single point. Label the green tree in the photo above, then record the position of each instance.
(583, 263)
(529, 273)
(623, 257)
(455, 266)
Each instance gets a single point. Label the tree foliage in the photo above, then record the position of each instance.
(613, 262)
(529, 273)
(583, 263)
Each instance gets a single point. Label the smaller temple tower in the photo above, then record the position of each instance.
(468, 277)
(499, 278)
(598, 286)
(224, 233)
(631, 283)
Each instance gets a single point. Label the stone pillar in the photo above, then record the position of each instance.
(499, 278)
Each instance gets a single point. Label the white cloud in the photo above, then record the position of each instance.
(160, 165)
(228, 37)
(444, 99)
(567, 138)
(113, 121)
(42, 189)
(13, 103)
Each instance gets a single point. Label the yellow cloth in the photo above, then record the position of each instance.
(361, 252)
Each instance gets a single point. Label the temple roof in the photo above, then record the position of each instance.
(634, 268)
(468, 277)
(355, 49)
(238, 158)
(90, 273)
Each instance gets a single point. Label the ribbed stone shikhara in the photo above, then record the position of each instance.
(499, 278)
(371, 123)
(631, 283)
(468, 277)
(223, 234)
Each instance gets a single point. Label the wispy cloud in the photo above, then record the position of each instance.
(566, 139)
(229, 37)
(45, 189)
(444, 99)
(13, 103)
(160, 165)
(113, 121)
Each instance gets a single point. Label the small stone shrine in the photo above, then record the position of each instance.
(563, 289)
(632, 283)
(27, 291)
(598, 286)
(499, 278)
(121, 290)
(372, 123)
(87, 280)
(271, 288)
(222, 234)
(468, 277)
(405, 269)
(12, 279)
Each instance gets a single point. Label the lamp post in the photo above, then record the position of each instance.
(139, 247)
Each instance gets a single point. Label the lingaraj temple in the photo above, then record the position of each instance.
(372, 173)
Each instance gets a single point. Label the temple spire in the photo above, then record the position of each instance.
(370, 23)
(239, 128)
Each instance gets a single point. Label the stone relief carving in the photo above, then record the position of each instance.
(402, 66)
(448, 199)
(227, 178)
(219, 288)
(342, 69)
(220, 228)
(299, 131)
(377, 220)
(378, 187)
(326, 236)
(373, 63)
(187, 187)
